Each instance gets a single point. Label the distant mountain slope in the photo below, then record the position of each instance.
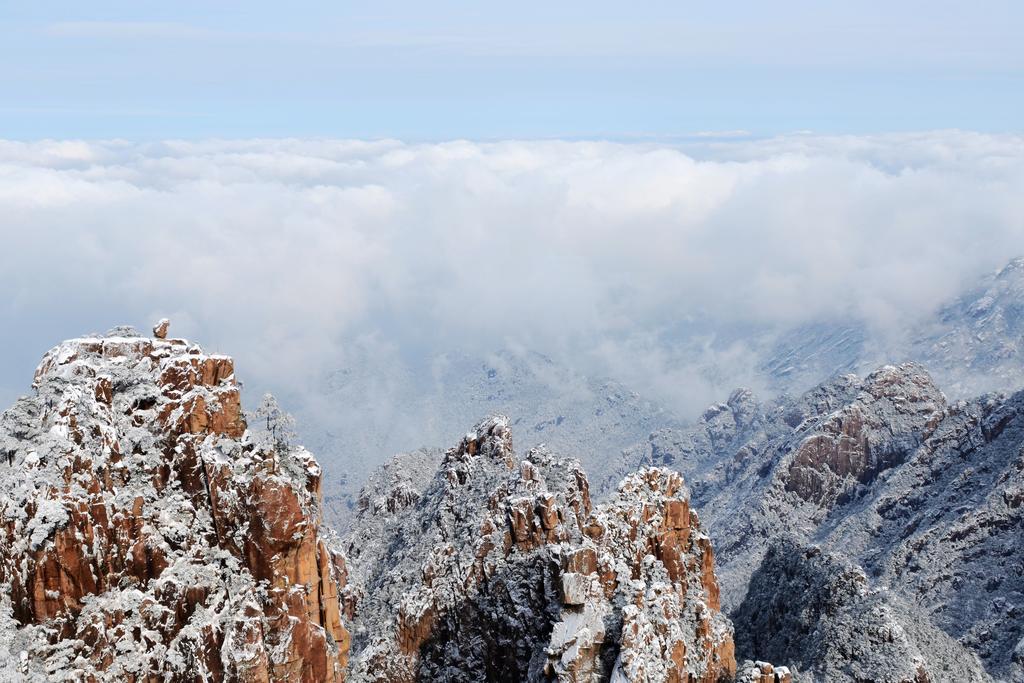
(976, 343)
(973, 344)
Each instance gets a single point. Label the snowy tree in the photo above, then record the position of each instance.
(280, 426)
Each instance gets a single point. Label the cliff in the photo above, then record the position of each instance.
(146, 534)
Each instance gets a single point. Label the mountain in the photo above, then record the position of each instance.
(971, 345)
(361, 415)
(821, 614)
(147, 534)
(501, 569)
(922, 493)
(150, 531)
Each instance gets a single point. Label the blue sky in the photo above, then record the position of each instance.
(441, 70)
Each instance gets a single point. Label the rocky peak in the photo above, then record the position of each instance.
(503, 569)
(821, 615)
(895, 409)
(490, 438)
(147, 533)
(651, 535)
(161, 327)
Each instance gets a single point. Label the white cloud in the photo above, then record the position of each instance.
(282, 251)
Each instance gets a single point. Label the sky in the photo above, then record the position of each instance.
(444, 70)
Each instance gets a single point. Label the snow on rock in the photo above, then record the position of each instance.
(923, 493)
(762, 672)
(146, 534)
(502, 569)
(821, 614)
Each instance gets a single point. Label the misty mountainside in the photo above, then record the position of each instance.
(970, 345)
(379, 403)
(923, 495)
(360, 416)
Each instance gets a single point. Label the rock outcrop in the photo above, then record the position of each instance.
(822, 616)
(503, 570)
(146, 534)
(762, 672)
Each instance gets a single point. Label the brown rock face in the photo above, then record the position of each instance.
(150, 536)
(850, 447)
(649, 555)
(160, 329)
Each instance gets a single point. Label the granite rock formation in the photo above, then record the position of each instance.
(146, 534)
(821, 615)
(502, 569)
(922, 493)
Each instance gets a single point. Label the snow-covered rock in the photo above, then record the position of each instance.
(147, 534)
(820, 614)
(502, 569)
(923, 493)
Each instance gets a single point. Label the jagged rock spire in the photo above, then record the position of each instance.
(146, 534)
(160, 329)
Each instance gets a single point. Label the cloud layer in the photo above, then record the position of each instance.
(289, 253)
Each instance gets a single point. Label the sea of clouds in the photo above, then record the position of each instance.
(290, 254)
